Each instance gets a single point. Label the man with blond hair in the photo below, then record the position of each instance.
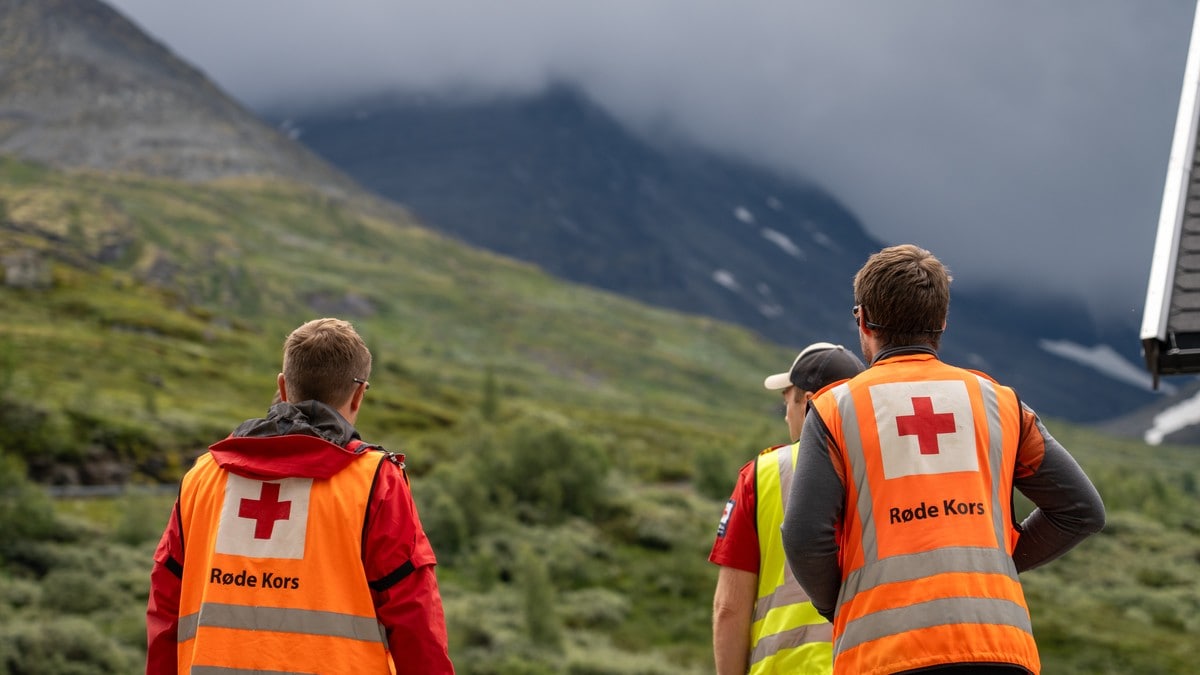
(900, 524)
(304, 551)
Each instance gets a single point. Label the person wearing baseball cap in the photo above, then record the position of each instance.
(762, 620)
(818, 365)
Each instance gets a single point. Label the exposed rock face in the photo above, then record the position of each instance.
(26, 269)
(82, 87)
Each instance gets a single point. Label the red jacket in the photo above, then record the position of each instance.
(407, 603)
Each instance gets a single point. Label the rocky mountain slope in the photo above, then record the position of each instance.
(554, 179)
(83, 87)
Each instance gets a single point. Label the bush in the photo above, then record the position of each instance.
(142, 520)
(545, 470)
(67, 646)
(453, 503)
(33, 433)
(26, 512)
(716, 473)
(595, 655)
(539, 599)
(18, 593)
(594, 608)
(72, 591)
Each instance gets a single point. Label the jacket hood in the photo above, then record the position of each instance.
(305, 440)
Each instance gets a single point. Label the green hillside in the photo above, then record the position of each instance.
(570, 450)
(168, 305)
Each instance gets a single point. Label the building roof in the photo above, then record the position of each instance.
(1170, 332)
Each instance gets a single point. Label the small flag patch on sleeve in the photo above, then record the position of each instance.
(725, 518)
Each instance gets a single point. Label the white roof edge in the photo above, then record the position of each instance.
(1170, 219)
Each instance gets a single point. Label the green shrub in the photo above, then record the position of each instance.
(34, 433)
(594, 608)
(716, 472)
(141, 519)
(26, 512)
(596, 655)
(539, 600)
(17, 593)
(62, 646)
(71, 591)
(545, 470)
(453, 503)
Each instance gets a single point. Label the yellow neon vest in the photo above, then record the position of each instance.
(786, 634)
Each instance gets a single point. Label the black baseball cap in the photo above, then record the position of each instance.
(818, 365)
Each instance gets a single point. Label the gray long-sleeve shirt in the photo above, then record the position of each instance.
(1069, 508)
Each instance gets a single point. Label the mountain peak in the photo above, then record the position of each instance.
(552, 178)
(83, 87)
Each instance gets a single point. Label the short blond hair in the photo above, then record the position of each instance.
(321, 360)
(904, 292)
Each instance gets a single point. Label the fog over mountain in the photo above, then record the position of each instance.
(1024, 142)
(558, 178)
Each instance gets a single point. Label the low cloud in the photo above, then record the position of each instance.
(1023, 142)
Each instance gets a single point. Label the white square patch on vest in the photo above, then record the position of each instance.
(924, 427)
(264, 519)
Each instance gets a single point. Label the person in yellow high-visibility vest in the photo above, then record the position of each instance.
(762, 621)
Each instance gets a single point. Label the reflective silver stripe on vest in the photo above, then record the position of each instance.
(933, 613)
(281, 620)
(786, 460)
(788, 593)
(991, 405)
(220, 670)
(853, 441)
(794, 637)
(941, 561)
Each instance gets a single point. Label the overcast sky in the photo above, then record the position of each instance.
(1022, 141)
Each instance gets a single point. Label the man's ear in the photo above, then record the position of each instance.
(862, 325)
(282, 385)
(356, 399)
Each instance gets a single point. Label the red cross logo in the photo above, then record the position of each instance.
(925, 424)
(265, 510)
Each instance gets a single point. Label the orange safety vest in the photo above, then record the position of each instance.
(273, 576)
(786, 633)
(928, 452)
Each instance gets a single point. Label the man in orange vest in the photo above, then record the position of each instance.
(900, 524)
(762, 621)
(293, 545)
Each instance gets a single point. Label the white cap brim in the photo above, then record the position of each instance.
(784, 380)
(778, 381)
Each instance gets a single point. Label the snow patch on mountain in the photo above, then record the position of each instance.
(824, 240)
(725, 278)
(782, 241)
(770, 311)
(1106, 360)
(1182, 415)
